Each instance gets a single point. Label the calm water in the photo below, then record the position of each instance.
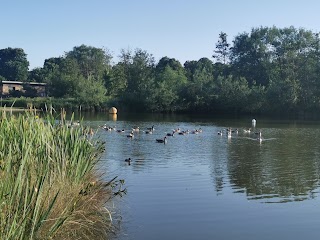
(206, 186)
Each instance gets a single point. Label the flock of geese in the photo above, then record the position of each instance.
(229, 132)
(150, 130)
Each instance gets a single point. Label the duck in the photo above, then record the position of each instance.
(220, 133)
(135, 129)
(128, 160)
(130, 135)
(120, 131)
(164, 140)
(177, 130)
(247, 130)
(195, 131)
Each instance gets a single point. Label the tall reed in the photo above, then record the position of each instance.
(48, 187)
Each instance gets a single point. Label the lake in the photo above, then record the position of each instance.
(207, 186)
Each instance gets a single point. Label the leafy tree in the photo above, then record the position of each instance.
(93, 62)
(65, 79)
(13, 64)
(90, 93)
(116, 83)
(169, 84)
(201, 82)
(36, 75)
(231, 94)
(139, 70)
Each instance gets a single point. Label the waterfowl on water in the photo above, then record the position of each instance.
(220, 133)
(151, 129)
(229, 134)
(164, 140)
(236, 131)
(170, 134)
(131, 135)
(128, 160)
(259, 137)
(247, 130)
(195, 131)
(135, 129)
(120, 131)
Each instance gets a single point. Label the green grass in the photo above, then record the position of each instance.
(48, 186)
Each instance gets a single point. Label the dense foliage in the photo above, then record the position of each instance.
(48, 185)
(267, 70)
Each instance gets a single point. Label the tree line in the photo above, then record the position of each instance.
(268, 70)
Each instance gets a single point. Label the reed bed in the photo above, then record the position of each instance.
(48, 186)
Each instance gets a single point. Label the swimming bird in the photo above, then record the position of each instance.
(259, 137)
(128, 160)
(135, 129)
(220, 133)
(164, 140)
(247, 130)
(151, 129)
(170, 134)
(229, 134)
(130, 135)
(235, 131)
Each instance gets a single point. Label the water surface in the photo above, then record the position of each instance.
(207, 186)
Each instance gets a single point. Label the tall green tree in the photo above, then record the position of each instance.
(170, 83)
(14, 64)
(199, 90)
(139, 70)
(93, 62)
(221, 54)
(64, 79)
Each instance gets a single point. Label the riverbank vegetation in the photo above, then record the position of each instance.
(49, 188)
(269, 70)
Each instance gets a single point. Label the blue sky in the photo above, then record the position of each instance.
(181, 29)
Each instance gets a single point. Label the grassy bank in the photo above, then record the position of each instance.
(48, 185)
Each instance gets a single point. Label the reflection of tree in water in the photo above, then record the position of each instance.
(219, 153)
(286, 169)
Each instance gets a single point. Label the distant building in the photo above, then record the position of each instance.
(7, 87)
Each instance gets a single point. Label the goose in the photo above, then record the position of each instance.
(170, 134)
(259, 137)
(236, 131)
(229, 134)
(151, 129)
(182, 133)
(164, 140)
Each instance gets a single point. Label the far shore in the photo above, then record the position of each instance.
(16, 109)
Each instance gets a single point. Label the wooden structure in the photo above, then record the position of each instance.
(8, 86)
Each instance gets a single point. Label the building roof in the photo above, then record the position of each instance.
(17, 82)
